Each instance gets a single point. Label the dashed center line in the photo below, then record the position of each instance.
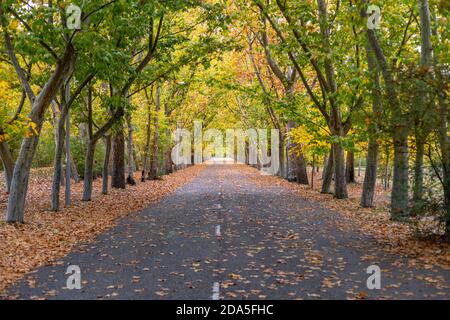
(218, 232)
(216, 291)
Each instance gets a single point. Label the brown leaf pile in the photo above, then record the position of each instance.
(47, 236)
(396, 237)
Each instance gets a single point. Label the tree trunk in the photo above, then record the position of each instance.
(118, 169)
(443, 129)
(67, 191)
(328, 173)
(168, 168)
(130, 164)
(426, 52)
(89, 170)
(62, 136)
(8, 163)
(57, 168)
(74, 170)
(444, 141)
(399, 197)
(336, 124)
(387, 171)
(135, 160)
(325, 164)
(418, 170)
(301, 169)
(90, 151)
(168, 160)
(359, 166)
(105, 170)
(340, 184)
(19, 183)
(291, 155)
(400, 183)
(370, 176)
(350, 167)
(445, 149)
(282, 149)
(145, 162)
(153, 174)
(423, 97)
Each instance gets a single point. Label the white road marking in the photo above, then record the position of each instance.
(216, 291)
(218, 233)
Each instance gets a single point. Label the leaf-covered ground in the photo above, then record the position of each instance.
(48, 235)
(397, 237)
(275, 240)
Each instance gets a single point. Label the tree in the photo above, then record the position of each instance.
(400, 131)
(40, 102)
(370, 177)
(153, 172)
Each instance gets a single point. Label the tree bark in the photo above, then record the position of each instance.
(19, 184)
(328, 173)
(325, 163)
(118, 170)
(301, 169)
(74, 170)
(71, 171)
(418, 170)
(350, 167)
(337, 126)
(443, 129)
(153, 174)
(340, 184)
(135, 159)
(400, 183)
(67, 191)
(445, 149)
(8, 164)
(370, 176)
(400, 132)
(282, 152)
(130, 164)
(291, 153)
(387, 171)
(359, 166)
(89, 170)
(444, 141)
(90, 151)
(423, 97)
(57, 168)
(168, 161)
(105, 170)
(145, 161)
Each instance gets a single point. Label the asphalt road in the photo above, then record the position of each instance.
(224, 237)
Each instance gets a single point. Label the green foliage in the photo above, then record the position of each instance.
(78, 151)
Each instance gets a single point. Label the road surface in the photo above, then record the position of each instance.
(224, 237)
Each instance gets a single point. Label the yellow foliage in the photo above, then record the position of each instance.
(306, 140)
